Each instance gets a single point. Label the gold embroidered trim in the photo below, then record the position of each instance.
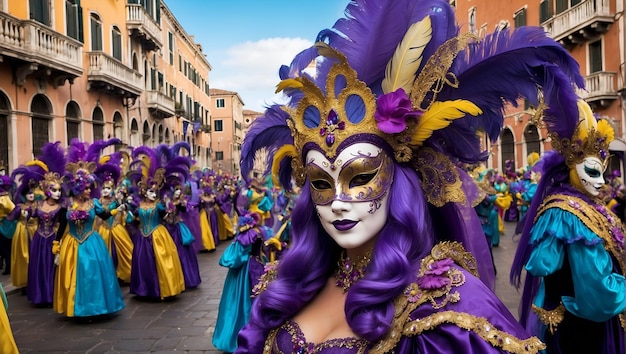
(478, 325)
(551, 318)
(440, 179)
(457, 253)
(413, 296)
(591, 218)
(270, 274)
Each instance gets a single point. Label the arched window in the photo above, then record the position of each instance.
(134, 133)
(72, 121)
(167, 136)
(116, 43)
(118, 128)
(507, 142)
(472, 20)
(533, 142)
(41, 109)
(96, 32)
(160, 134)
(97, 119)
(146, 134)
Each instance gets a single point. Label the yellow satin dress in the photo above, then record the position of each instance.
(114, 232)
(24, 231)
(7, 342)
(205, 228)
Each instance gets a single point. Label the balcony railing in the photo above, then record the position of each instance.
(586, 19)
(106, 72)
(600, 88)
(160, 105)
(36, 45)
(142, 25)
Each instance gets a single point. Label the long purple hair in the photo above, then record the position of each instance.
(304, 269)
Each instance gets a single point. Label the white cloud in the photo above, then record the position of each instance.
(251, 69)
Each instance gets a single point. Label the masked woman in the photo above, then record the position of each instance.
(156, 268)
(573, 251)
(26, 181)
(177, 172)
(113, 230)
(375, 139)
(86, 281)
(50, 165)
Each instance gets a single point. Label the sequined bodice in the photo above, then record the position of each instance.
(149, 219)
(47, 221)
(289, 338)
(82, 229)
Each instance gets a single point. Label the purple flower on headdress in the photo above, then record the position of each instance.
(393, 110)
(332, 123)
(436, 276)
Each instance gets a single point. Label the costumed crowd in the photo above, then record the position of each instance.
(79, 225)
(371, 226)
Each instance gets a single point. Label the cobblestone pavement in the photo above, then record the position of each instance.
(184, 325)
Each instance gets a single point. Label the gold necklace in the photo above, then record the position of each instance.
(350, 271)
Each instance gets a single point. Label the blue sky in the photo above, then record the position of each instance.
(246, 41)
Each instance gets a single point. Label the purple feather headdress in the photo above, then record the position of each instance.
(488, 74)
(83, 162)
(469, 82)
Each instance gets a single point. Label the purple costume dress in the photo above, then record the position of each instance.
(184, 240)
(447, 309)
(191, 218)
(156, 270)
(41, 268)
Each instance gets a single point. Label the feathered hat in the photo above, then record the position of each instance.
(399, 74)
(589, 137)
(47, 168)
(26, 178)
(145, 171)
(177, 166)
(83, 161)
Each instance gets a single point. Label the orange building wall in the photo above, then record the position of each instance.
(489, 13)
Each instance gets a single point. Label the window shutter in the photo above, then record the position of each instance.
(81, 30)
(595, 54)
(545, 10)
(70, 20)
(561, 5)
(117, 45)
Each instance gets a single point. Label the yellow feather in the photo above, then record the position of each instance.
(586, 120)
(104, 159)
(605, 128)
(38, 163)
(288, 83)
(284, 151)
(439, 116)
(402, 68)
